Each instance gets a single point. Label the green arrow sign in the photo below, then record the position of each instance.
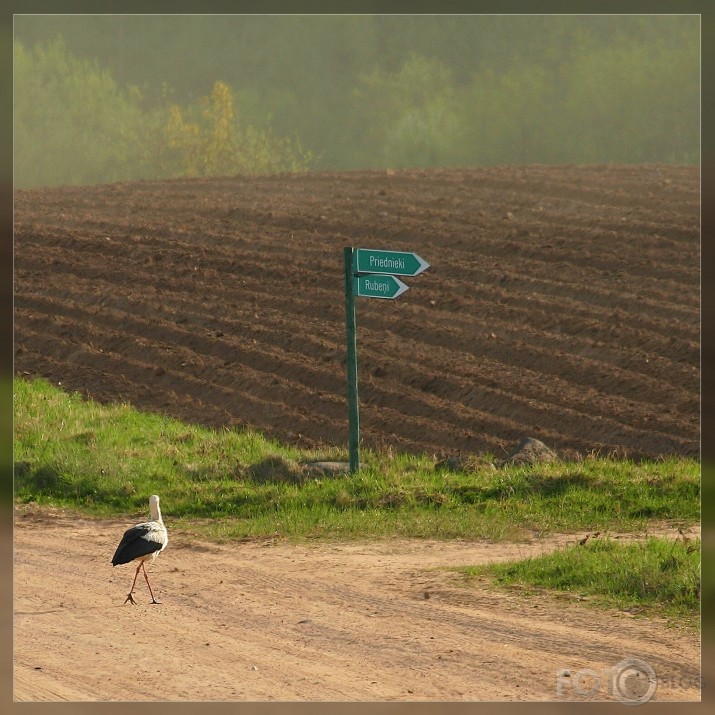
(371, 274)
(379, 286)
(396, 263)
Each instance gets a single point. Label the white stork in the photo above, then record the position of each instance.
(143, 542)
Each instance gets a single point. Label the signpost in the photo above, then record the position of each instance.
(379, 286)
(369, 273)
(396, 263)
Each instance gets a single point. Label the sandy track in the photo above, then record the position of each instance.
(372, 621)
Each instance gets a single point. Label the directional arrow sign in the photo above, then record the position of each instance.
(396, 263)
(379, 286)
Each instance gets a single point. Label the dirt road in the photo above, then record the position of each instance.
(256, 621)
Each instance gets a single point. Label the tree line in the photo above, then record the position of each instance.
(105, 98)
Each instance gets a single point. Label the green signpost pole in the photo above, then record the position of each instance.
(369, 273)
(351, 336)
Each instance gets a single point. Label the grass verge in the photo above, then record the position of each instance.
(107, 460)
(656, 576)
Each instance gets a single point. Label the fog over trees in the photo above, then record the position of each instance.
(100, 98)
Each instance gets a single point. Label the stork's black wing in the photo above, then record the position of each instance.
(140, 540)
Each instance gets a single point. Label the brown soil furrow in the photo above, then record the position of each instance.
(613, 342)
(561, 302)
(412, 394)
(580, 371)
(664, 359)
(505, 285)
(225, 390)
(554, 423)
(478, 389)
(622, 346)
(266, 359)
(313, 256)
(322, 414)
(597, 328)
(177, 395)
(420, 373)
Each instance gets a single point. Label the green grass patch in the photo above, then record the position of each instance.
(656, 576)
(226, 484)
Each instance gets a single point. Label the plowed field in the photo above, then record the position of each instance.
(562, 303)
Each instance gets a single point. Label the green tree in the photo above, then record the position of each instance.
(72, 123)
(207, 139)
(360, 91)
(637, 102)
(408, 117)
(504, 116)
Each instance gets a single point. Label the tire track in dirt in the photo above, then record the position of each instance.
(562, 303)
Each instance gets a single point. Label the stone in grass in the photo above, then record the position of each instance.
(464, 463)
(276, 469)
(326, 469)
(529, 451)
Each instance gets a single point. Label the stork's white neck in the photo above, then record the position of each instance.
(155, 510)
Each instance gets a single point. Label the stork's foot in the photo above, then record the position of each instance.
(153, 600)
(130, 598)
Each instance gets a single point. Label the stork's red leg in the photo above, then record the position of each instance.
(153, 600)
(130, 598)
